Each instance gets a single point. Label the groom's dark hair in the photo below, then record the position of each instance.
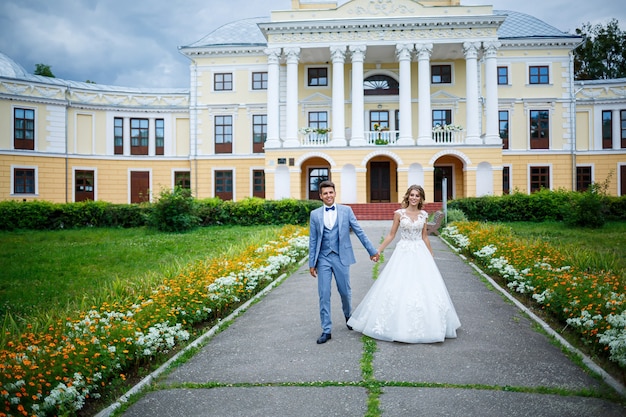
(326, 184)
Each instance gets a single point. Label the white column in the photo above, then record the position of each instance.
(491, 92)
(471, 81)
(291, 133)
(403, 53)
(338, 56)
(358, 107)
(616, 130)
(273, 98)
(425, 115)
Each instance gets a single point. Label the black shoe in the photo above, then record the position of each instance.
(325, 337)
(347, 325)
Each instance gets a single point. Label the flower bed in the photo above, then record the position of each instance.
(53, 372)
(591, 302)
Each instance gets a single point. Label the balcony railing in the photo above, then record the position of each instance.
(449, 137)
(381, 137)
(314, 139)
(384, 137)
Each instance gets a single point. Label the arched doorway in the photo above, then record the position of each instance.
(382, 180)
(314, 170)
(451, 168)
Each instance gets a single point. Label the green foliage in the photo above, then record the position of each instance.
(174, 211)
(456, 215)
(591, 208)
(602, 55)
(43, 70)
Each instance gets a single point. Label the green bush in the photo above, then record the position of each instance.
(174, 211)
(588, 210)
(455, 215)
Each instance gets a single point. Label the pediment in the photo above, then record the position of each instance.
(316, 98)
(444, 95)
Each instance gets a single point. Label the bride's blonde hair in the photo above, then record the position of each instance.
(420, 191)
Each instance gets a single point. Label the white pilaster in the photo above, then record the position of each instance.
(403, 53)
(151, 137)
(273, 98)
(126, 137)
(491, 91)
(425, 115)
(358, 107)
(471, 81)
(338, 56)
(291, 134)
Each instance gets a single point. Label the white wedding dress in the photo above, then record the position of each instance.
(409, 302)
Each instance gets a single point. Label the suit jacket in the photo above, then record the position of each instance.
(346, 220)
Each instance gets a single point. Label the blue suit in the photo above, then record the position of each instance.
(331, 253)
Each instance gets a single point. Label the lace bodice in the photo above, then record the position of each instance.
(409, 229)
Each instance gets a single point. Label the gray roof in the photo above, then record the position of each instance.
(245, 32)
(521, 25)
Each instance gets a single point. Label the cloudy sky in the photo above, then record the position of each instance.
(135, 42)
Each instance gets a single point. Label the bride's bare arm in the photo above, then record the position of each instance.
(392, 232)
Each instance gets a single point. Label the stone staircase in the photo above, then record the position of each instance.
(384, 211)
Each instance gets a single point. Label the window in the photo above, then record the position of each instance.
(258, 183)
(583, 178)
(441, 74)
(442, 117)
(622, 123)
(539, 129)
(259, 80)
(118, 136)
(24, 129)
(539, 75)
(506, 180)
(24, 181)
(378, 85)
(224, 185)
(223, 82)
(316, 176)
(84, 185)
(539, 178)
(503, 75)
(503, 122)
(159, 136)
(318, 120)
(317, 77)
(223, 134)
(182, 179)
(379, 120)
(139, 136)
(607, 129)
(259, 132)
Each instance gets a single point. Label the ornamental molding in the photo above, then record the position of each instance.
(308, 155)
(454, 152)
(383, 152)
(382, 35)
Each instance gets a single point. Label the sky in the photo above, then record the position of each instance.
(134, 43)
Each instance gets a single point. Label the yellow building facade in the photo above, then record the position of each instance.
(373, 95)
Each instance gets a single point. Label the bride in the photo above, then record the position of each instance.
(409, 302)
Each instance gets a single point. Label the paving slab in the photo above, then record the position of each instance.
(272, 346)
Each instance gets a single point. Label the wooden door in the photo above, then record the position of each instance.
(380, 182)
(139, 186)
(442, 172)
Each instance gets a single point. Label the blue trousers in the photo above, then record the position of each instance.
(327, 266)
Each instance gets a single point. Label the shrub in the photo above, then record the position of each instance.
(174, 211)
(456, 215)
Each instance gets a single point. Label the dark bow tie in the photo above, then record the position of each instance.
(330, 208)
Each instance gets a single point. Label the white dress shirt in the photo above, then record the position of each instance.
(330, 216)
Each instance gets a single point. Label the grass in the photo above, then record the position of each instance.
(593, 249)
(46, 274)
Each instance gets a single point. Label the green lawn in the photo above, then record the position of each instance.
(58, 271)
(603, 248)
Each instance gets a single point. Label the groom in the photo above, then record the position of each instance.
(330, 253)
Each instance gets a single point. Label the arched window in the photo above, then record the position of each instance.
(380, 84)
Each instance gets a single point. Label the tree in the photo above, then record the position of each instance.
(44, 70)
(602, 55)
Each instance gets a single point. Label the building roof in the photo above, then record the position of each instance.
(246, 32)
